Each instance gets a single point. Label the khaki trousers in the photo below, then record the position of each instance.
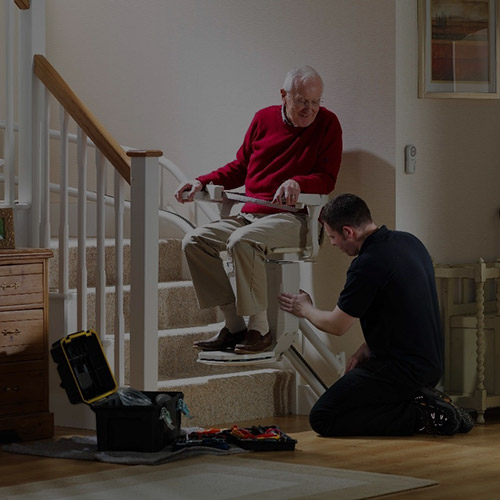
(248, 238)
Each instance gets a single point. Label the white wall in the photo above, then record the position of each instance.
(186, 77)
(452, 200)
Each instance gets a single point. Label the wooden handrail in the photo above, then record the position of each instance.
(23, 4)
(108, 146)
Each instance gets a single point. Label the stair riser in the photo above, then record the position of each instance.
(177, 308)
(236, 399)
(178, 359)
(169, 268)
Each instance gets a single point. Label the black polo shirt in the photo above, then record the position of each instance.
(391, 288)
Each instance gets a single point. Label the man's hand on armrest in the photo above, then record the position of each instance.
(287, 193)
(186, 191)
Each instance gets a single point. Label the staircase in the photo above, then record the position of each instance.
(214, 395)
(28, 182)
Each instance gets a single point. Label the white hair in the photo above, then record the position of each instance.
(300, 75)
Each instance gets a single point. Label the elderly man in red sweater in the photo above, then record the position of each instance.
(288, 149)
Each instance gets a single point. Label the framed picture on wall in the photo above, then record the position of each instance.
(7, 239)
(458, 48)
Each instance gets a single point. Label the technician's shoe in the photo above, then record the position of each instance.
(436, 417)
(224, 340)
(254, 343)
(466, 421)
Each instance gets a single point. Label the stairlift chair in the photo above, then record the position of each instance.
(283, 274)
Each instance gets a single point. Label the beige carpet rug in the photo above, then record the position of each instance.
(217, 478)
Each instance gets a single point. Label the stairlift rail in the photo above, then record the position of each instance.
(334, 360)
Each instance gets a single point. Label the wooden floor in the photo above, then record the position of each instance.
(467, 466)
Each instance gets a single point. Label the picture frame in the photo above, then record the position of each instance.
(458, 49)
(7, 239)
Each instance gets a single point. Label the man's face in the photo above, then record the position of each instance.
(302, 102)
(345, 241)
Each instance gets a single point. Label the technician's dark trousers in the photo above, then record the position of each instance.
(372, 399)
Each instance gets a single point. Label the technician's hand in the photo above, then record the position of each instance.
(295, 304)
(192, 187)
(287, 193)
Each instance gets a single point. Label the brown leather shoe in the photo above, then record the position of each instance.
(224, 340)
(254, 342)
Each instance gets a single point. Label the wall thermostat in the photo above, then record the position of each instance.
(410, 159)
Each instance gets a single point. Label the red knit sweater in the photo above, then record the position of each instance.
(273, 152)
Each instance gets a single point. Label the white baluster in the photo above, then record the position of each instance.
(100, 273)
(45, 230)
(119, 330)
(35, 215)
(82, 230)
(63, 205)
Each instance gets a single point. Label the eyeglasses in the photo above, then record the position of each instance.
(304, 103)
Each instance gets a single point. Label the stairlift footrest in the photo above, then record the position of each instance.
(230, 358)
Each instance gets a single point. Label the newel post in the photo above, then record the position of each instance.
(144, 186)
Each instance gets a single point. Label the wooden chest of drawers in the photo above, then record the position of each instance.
(24, 398)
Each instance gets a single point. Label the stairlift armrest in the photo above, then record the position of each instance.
(309, 200)
(210, 192)
(214, 194)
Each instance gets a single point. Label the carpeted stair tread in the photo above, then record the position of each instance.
(205, 379)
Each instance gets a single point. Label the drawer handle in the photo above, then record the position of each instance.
(6, 332)
(15, 285)
(14, 388)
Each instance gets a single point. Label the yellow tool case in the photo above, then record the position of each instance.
(126, 420)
